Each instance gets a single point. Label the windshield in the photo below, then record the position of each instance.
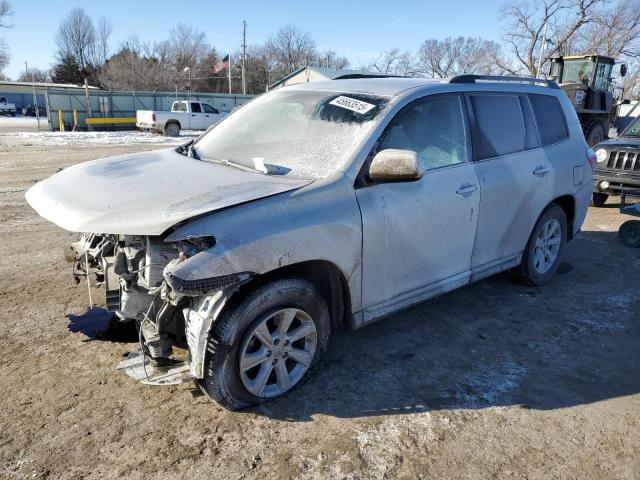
(302, 134)
(577, 71)
(633, 130)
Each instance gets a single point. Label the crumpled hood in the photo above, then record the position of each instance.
(146, 193)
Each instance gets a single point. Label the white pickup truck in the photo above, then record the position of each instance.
(7, 108)
(184, 115)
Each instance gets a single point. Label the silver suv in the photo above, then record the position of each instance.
(323, 205)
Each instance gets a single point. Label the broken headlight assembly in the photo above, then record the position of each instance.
(191, 246)
(187, 248)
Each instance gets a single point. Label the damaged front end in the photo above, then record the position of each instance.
(140, 284)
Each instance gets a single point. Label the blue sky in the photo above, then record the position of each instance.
(356, 29)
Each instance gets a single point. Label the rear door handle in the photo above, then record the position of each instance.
(466, 189)
(541, 171)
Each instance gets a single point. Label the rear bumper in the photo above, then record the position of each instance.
(617, 181)
(150, 126)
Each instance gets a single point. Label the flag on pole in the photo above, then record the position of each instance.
(221, 65)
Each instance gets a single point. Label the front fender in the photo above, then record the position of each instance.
(318, 222)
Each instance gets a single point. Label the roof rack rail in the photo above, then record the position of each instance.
(501, 78)
(348, 76)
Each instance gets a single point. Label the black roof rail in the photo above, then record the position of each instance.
(348, 76)
(501, 78)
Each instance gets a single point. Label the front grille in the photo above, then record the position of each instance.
(624, 160)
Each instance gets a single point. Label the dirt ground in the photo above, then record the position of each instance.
(495, 380)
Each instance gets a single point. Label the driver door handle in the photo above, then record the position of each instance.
(541, 170)
(466, 189)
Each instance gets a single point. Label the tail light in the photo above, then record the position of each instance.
(153, 119)
(592, 157)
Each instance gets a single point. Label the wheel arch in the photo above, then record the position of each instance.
(324, 275)
(568, 204)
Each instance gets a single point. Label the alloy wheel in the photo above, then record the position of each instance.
(547, 246)
(277, 352)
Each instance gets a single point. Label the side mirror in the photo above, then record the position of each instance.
(393, 165)
(623, 69)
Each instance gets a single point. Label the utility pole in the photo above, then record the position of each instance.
(244, 57)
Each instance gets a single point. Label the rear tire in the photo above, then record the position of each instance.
(599, 199)
(237, 340)
(172, 130)
(544, 249)
(629, 233)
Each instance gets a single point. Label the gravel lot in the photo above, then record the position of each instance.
(495, 380)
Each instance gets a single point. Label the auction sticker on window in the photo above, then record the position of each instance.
(352, 104)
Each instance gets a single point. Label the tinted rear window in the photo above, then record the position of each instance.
(550, 118)
(499, 127)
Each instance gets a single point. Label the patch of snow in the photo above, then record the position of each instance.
(20, 121)
(102, 138)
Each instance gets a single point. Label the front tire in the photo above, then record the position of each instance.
(599, 199)
(266, 344)
(544, 250)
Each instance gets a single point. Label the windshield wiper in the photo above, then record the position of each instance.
(241, 166)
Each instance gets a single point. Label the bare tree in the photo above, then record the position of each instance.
(5, 12)
(139, 66)
(614, 31)
(4, 58)
(392, 62)
(291, 48)
(330, 59)
(77, 38)
(187, 46)
(563, 19)
(105, 27)
(34, 75)
(454, 56)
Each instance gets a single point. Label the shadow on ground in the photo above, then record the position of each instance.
(98, 324)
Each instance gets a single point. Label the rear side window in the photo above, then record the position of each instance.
(529, 123)
(208, 108)
(499, 127)
(550, 118)
(195, 108)
(180, 107)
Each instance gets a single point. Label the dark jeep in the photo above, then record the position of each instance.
(618, 164)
